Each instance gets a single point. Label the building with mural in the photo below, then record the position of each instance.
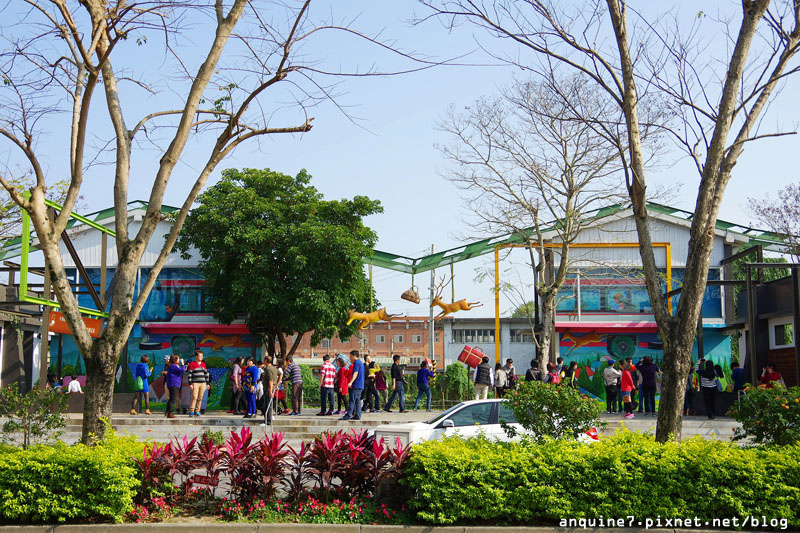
(603, 312)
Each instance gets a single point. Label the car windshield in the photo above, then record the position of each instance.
(438, 418)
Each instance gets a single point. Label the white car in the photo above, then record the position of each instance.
(467, 419)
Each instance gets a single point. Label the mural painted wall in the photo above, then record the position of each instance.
(173, 320)
(593, 350)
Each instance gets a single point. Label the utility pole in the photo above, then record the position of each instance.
(431, 325)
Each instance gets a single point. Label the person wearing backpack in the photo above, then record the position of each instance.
(533, 373)
(500, 381)
(511, 374)
(141, 396)
(571, 375)
(552, 374)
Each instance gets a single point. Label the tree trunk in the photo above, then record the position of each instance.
(99, 391)
(548, 330)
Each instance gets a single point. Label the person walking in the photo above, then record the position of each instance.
(611, 377)
(327, 381)
(552, 375)
(628, 388)
(236, 386)
(295, 377)
(174, 376)
(423, 385)
(141, 396)
(398, 386)
(249, 385)
(371, 399)
(199, 380)
(355, 387)
(649, 372)
(269, 379)
(483, 377)
(500, 380)
(709, 382)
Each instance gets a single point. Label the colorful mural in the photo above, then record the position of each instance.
(592, 351)
(173, 320)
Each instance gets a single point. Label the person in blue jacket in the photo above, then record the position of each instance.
(249, 384)
(141, 395)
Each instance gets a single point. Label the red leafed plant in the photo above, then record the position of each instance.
(237, 463)
(154, 473)
(269, 458)
(295, 479)
(326, 462)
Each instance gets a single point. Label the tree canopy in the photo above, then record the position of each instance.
(274, 249)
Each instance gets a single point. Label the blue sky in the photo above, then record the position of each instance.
(388, 153)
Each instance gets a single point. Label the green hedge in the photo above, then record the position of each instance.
(68, 483)
(457, 481)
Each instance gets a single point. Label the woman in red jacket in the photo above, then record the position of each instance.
(342, 380)
(627, 388)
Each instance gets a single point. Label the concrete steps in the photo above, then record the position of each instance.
(308, 426)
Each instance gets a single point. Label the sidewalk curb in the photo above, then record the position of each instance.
(223, 527)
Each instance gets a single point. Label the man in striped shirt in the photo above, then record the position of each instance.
(295, 377)
(327, 378)
(199, 380)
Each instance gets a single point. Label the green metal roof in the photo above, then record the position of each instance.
(13, 247)
(411, 265)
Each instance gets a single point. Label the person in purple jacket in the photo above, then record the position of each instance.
(423, 385)
(649, 372)
(174, 374)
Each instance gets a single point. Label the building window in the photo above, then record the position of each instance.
(398, 339)
(479, 336)
(521, 335)
(781, 334)
(416, 339)
(437, 337)
(380, 339)
(326, 343)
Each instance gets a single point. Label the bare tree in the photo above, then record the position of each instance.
(528, 168)
(781, 215)
(215, 68)
(719, 90)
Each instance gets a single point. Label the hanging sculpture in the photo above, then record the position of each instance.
(411, 295)
(460, 305)
(369, 318)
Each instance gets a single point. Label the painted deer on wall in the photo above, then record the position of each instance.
(461, 305)
(369, 318)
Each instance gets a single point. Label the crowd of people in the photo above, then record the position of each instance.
(362, 386)
(632, 388)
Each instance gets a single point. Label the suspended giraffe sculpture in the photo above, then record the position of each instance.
(460, 305)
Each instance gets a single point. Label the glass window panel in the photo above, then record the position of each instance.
(472, 414)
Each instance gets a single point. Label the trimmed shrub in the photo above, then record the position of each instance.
(555, 411)
(68, 483)
(457, 481)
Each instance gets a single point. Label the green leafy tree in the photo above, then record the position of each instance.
(525, 310)
(274, 250)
